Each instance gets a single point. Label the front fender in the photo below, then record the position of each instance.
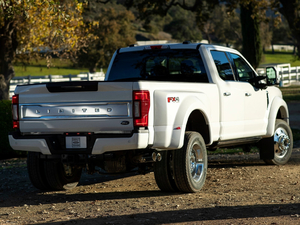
(277, 105)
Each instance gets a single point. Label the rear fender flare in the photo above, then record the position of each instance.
(191, 104)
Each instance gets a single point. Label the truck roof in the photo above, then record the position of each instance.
(183, 45)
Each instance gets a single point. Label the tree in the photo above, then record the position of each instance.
(252, 49)
(223, 27)
(290, 9)
(111, 30)
(28, 26)
(202, 10)
(183, 25)
(146, 8)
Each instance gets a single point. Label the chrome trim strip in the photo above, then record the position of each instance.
(72, 117)
(74, 103)
(82, 110)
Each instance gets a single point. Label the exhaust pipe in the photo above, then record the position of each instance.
(156, 157)
(148, 158)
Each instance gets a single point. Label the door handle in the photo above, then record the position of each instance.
(227, 94)
(247, 94)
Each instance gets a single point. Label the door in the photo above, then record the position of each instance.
(231, 98)
(255, 99)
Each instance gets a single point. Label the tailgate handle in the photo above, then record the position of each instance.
(72, 86)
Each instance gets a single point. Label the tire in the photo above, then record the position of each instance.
(282, 144)
(58, 177)
(36, 171)
(163, 172)
(190, 163)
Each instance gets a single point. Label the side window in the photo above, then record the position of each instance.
(223, 65)
(243, 69)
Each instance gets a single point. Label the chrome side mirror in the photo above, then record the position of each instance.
(271, 76)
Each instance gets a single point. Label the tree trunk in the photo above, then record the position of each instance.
(290, 10)
(252, 49)
(8, 46)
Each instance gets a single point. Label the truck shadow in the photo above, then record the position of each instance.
(234, 161)
(253, 213)
(33, 197)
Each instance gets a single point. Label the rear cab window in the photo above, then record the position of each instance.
(160, 65)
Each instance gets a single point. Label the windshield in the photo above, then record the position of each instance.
(163, 65)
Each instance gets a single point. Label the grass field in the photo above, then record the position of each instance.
(58, 67)
(291, 93)
(280, 57)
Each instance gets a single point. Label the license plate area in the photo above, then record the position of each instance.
(74, 142)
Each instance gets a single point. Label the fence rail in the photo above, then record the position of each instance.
(287, 74)
(99, 76)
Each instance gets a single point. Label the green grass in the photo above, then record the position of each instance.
(280, 57)
(296, 134)
(291, 93)
(39, 68)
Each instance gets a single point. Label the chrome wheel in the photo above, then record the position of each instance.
(282, 142)
(190, 163)
(196, 163)
(277, 150)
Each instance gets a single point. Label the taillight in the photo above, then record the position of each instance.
(141, 105)
(15, 111)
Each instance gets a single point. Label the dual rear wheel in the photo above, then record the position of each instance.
(189, 174)
(51, 175)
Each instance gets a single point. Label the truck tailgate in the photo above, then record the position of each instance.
(99, 107)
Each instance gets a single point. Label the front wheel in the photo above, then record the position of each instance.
(282, 144)
(190, 163)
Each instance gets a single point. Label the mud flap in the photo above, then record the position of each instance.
(266, 148)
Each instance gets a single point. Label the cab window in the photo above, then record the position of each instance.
(244, 71)
(223, 66)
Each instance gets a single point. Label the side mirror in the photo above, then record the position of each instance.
(271, 76)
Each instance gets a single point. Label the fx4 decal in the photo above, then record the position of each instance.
(173, 99)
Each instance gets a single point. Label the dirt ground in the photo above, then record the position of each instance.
(240, 189)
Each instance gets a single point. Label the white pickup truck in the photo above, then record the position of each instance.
(160, 108)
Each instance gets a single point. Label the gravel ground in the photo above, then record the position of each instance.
(240, 189)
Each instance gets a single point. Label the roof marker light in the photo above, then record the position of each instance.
(152, 47)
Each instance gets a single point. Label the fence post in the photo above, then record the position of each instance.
(289, 72)
(282, 78)
(50, 78)
(88, 76)
(29, 79)
(297, 78)
(70, 77)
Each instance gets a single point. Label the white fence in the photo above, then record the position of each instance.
(287, 74)
(99, 76)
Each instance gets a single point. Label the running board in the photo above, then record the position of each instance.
(235, 142)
